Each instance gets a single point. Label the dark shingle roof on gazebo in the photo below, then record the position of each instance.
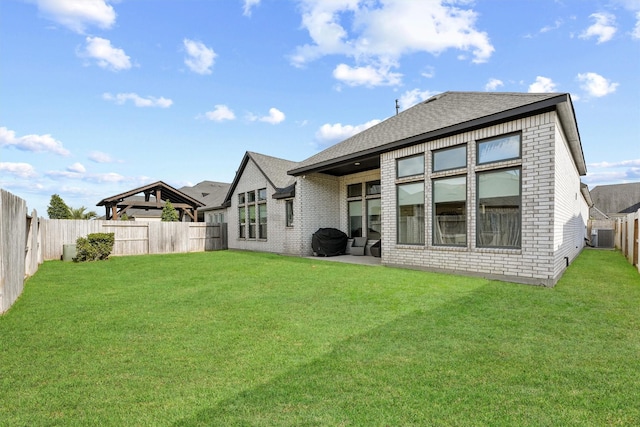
(154, 196)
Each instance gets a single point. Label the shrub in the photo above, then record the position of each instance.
(94, 247)
(169, 213)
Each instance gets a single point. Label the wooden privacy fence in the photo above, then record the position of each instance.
(134, 237)
(26, 241)
(19, 255)
(627, 237)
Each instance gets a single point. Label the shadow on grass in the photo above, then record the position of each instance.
(502, 355)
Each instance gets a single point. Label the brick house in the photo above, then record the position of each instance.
(260, 206)
(475, 183)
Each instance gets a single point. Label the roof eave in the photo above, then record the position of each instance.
(567, 117)
(118, 198)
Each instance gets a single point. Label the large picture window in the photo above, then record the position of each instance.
(498, 149)
(252, 214)
(410, 166)
(499, 209)
(450, 211)
(410, 199)
(450, 158)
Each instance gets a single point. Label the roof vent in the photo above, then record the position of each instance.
(434, 98)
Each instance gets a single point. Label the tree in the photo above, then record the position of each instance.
(79, 213)
(58, 209)
(169, 213)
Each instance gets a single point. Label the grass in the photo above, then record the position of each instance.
(234, 338)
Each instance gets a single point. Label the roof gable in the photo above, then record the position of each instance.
(274, 170)
(167, 191)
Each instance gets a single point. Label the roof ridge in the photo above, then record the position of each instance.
(254, 153)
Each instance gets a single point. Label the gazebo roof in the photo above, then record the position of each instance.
(155, 197)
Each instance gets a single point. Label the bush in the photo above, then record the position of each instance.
(169, 213)
(94, 247)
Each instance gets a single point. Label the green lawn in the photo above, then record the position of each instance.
(235, 338)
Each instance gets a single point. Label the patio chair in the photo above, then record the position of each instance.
(358, 246)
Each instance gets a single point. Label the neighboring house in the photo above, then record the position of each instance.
(476, 183)
(212, 195)
(617, 200)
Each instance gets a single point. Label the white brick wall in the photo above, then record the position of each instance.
(319, 199)
(571, 210)
(535, 261)
(280, 239)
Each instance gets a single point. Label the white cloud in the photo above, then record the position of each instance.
(106, 56)
(275, 116)
(96, 178)
(596, 85)
(330, 133)
(137, 100)
(64, 174)
(604, 27)
(77, 15)
(542, 85)
(636, 30)
(412, 97)
(557, 24)
(33, 143)
(77, 168)
(493, 84)
(248, 5)
(100, 157)
(21, 170)
(199, 58)
(106, 177)
(429, 72)
(382, 32)
(366, 76)
(220, 113)
(623, 163)
(613, 172)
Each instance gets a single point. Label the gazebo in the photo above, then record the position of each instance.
(155, 197)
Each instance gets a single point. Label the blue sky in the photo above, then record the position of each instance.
(98, 97)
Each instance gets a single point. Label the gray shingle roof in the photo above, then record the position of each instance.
(273, 168)
(616, 198)
(210, 193)
(439, 115)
